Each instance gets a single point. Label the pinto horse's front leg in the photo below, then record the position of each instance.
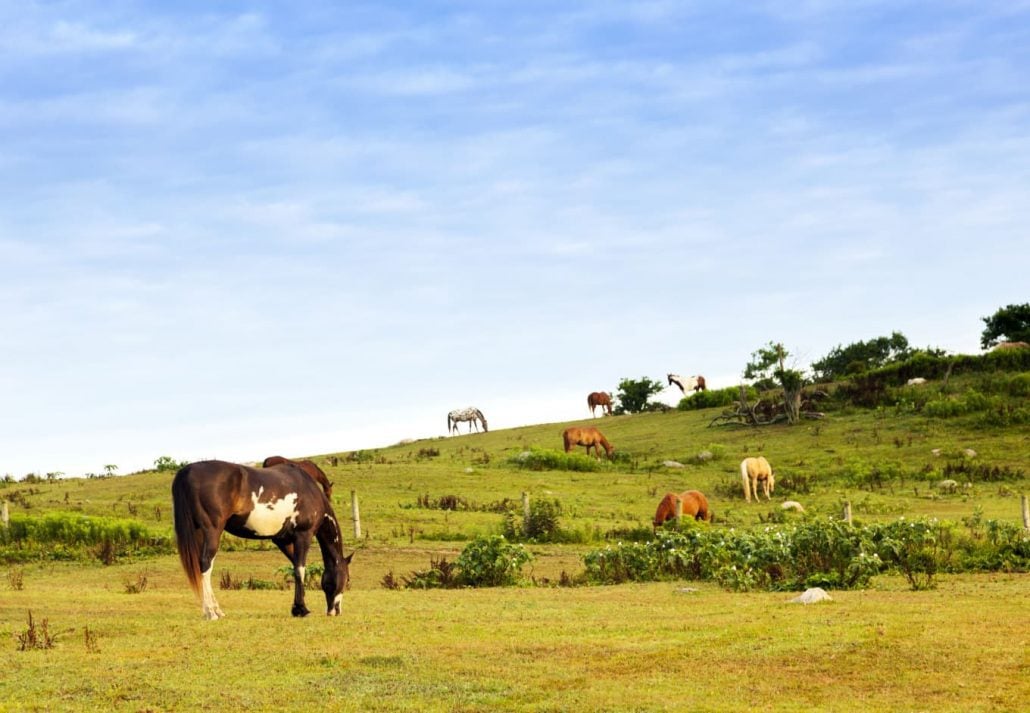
(296, 550)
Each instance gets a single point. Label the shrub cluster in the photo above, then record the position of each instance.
(544, 459)
(71, 536)
(715, 397)
(827, 553)
(485, 562)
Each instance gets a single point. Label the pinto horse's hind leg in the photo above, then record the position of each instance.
(208, 549)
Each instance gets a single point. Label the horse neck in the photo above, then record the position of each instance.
(330, 540)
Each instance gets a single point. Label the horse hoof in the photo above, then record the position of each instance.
(299, 611)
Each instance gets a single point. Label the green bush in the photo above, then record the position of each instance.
(492, 562)
(715, 398)
(543, 459)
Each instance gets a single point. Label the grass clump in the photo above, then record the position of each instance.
(544, 459)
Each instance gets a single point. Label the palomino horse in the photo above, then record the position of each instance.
(281, 503)
(308, 467)
(754, 471)
(586, 436)
(602, 399)
(470, 414)
(693, 504)
(688, 383)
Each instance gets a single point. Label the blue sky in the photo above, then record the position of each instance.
(237, 229)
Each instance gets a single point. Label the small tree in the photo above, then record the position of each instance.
(768, 362)
(110, 469)
(1011, 323)
(634, 394)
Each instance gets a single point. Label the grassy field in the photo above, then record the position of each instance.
(659, 646)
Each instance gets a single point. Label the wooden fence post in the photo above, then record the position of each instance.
(525, 504)
(679, 510)
(5, 515)
(1023, 502)
(355, 514)
(847, 512)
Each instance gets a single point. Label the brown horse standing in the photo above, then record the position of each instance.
(587, 436)
(694, 504)
(281, 503)
(602, 399)
(308, 467)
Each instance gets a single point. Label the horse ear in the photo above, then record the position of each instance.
(348, 558)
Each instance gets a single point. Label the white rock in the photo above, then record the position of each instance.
(672, 464)
(792, 505)
(811, 596)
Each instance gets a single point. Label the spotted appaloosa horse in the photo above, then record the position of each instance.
(754, 471)
(688, 383)
(586, 436)
(308, 467)
(281, 503)
(602, 399)
(470, 414)
(694, 504)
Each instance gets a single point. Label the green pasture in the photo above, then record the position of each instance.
(661, 646)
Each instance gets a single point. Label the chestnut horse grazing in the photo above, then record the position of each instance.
(602, 399)
(586, 436)
(754, 471)
(694, 504)
(308, 467)
(280, 503)
(688, 383)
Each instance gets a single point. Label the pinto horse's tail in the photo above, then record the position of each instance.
(186, 528)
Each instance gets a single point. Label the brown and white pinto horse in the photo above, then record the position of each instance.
(754, 471)
(586, 436)
(281, 503)
(308, 467)
(602, 399)
(688, 383)
(694, 504)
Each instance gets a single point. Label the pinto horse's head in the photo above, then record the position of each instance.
(335, 580)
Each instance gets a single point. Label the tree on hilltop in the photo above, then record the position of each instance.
(1008, 324)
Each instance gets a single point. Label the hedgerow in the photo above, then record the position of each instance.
(828, 553)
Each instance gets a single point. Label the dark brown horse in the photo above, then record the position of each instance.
(602, 399)
(692, 503)
(281, 503)
(308, 467)
(587, 436)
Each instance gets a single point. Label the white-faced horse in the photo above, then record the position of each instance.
(471, 414)
(281, 503)
(688, 383)
(754, 471)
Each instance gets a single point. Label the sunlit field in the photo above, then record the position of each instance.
(129, 636)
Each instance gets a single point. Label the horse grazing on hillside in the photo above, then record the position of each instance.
(470, 414)
(688, 383)
(280, 503)
(586, 436)
(754, 471)
(602, 399)
(693, 503)
(308, 467)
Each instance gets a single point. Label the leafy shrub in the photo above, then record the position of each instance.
(912, 547)
(492, 562)
(72, 536)
(715, 398)
(542, 524)
(543, 459)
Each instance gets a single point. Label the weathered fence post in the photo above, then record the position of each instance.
(525, 504)
(5, 515)
(847, 512)
(355, 514)
(679, 510)
(1023, 502)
